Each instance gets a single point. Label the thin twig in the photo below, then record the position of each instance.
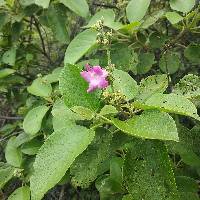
(10, 118)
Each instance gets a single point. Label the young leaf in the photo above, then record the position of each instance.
(151, 124)
(108, 17)
(170, 103)
(74, 89)
(33, 120)
(9, 56)
(182, 5)
(136, 9)
(148, 173)
(84, 113)
(80, 7)
(22, 193)
(56, 156)
(40, 88)
(12, 153)
(108, 110)
(124, 84)
(6, 173)
(31, 147)
(80, 45)
(173, 17)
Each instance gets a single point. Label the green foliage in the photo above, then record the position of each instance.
(33, 120)
(136, 10)
(22, 193)
(151, 181)
(138, 137)
(55, 157)
(150, 124)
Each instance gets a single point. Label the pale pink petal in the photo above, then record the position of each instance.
(86, 75)
(103, 83)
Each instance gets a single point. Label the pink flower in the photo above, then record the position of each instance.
(96, 77)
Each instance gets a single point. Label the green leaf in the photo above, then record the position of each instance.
(124, 84)
(6, 173)
(151, 124)
(9, 56)
(22, 193)
(153, 18)
(31, 147)
(146, 60)
(53, 77)
(56, 156)
(13, 154)
(43, 3)
(188, 86)
(136, 9)
(173, 17)
(80, 7)
(6, 72)
(188, 187)
(148, 164)
(108, 17)
(62, 115)
(55, 18)
(157, 40)
(192, 53)
(4, 18)
(84, 113)
(33, 120)
(170, 62)
(91, 162)
(152, 85)
(40, 88)
(74, 89)
(182, 5)
(171, 103)
(80, 45)
(108, 110)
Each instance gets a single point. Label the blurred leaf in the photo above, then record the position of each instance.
(13, 155)
(53, 77)
(182, 5)
(6, 173)
(108, 109)
(55, 18)
(80, 45)
(124, 84)
(43, 3)
(22, 193)
(170, 62)
(73, 88)
(173, 17)
(32, 147)
(6, 72)
(33, 119)
(151, 124)
(80, 7)
(40, 88)
(9, 56)
(136, 9)
(146, 60)
(192, 53)
(84, 113)
(58, 153)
